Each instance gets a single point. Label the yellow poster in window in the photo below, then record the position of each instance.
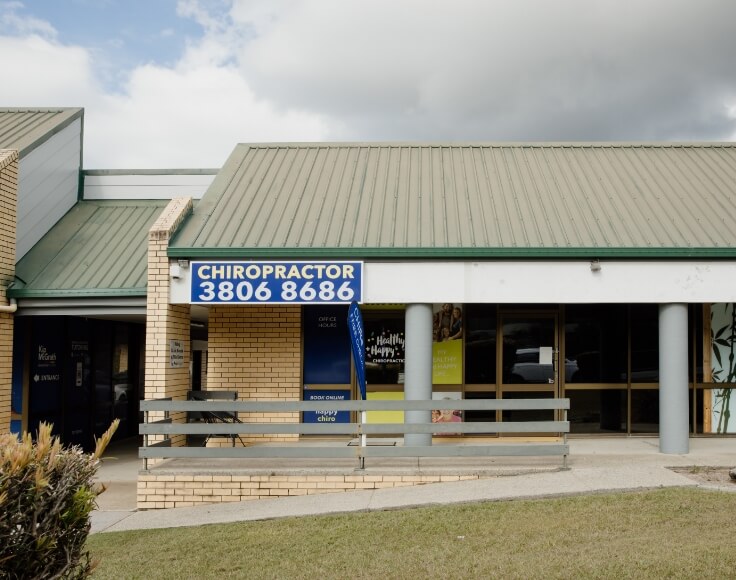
(447, 362)
(385, 416)
(447, 344)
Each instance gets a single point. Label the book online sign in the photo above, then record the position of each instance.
(276, 282)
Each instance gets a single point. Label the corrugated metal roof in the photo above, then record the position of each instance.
(471, 200)
(97, 249)
(25, 129)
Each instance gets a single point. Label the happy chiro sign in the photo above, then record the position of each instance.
(276, 282)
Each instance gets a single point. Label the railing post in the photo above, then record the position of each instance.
(363, 439)
(564, 440)
(145, 439)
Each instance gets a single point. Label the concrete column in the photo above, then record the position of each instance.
(673, 379)
(418, 367)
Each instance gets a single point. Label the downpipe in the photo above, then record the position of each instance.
(10, 308)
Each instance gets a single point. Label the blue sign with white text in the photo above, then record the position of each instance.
(326, 416)
(276, 282)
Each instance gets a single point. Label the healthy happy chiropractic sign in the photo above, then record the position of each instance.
(276, 282)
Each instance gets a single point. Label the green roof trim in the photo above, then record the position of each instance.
(453, 253)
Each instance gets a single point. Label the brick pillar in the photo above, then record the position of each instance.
(8, 196)
(166, 322)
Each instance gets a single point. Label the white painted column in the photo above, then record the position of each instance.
(673, 379)
(418, 368)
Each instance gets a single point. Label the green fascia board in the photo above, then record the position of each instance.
(76, 292)
(453, 253)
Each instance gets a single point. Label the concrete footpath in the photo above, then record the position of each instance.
(596, 465)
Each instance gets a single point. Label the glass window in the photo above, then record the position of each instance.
(480, 416)
(480, 344)
(595, 343)
(102, 362)
(644, 411)
(384, 347)
(122, 384)
(597, 410)
(697, 398)
(528, 415)
(644, 343)
(695, 324)
(326, 345)
(45, 391)
(524, 338)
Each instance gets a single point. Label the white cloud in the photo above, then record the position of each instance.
(39, 72)
(508, 69)
(189, 115)
(186, 118)
(294, 70)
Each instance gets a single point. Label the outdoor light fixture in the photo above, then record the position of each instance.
(175, 269)
(595, 265)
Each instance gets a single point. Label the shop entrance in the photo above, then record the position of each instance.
(529, 360)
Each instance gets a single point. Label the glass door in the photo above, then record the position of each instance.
(529, 361)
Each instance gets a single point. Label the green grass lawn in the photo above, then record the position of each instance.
(672, 533)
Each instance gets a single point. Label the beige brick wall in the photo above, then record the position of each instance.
(165, 322)
(182, 490)
(256, 351)
(8, 217)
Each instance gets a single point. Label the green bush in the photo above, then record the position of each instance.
(46, 496)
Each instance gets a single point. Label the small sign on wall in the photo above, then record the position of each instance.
(176, 348)
(326, 416)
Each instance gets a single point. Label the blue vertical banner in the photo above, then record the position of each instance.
(357, 341)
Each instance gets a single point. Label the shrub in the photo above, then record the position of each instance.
(46, 496)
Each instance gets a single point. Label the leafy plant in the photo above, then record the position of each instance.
(46, 496)
(724, 337)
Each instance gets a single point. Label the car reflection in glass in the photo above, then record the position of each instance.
(526, 368)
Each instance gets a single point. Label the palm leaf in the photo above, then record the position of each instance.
(717, 353)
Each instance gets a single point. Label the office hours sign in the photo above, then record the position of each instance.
(276, 282)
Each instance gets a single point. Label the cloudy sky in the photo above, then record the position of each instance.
(169, 83)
